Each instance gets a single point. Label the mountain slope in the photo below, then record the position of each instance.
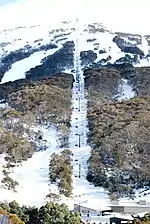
(114, 54)
(98, 45)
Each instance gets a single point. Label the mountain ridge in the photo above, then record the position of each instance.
(108, 47)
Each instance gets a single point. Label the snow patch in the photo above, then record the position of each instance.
(125, 91)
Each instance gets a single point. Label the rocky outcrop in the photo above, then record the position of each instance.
(127, 47)
(148, 39)
(136, 38)
(128, 59)
(102, 51)
(95, 27)
(91, 40)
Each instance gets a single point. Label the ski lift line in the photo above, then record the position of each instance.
(79, 127)
(4, 220)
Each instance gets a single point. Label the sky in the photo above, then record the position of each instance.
(118, 15)
(4, 2)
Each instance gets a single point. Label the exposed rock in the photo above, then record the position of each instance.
(46, 47)
(131, 37)
(95, 27)
(104, 60)
(38, 40)
(148, 39)
(91, 40)
(102, 51)
(61, 39)
(127, 59)
(96, 44)
(61, 35)
(127, 47)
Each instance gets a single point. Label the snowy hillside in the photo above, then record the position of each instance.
(29, 47)
(34, 52)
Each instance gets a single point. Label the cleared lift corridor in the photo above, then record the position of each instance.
(83, 191)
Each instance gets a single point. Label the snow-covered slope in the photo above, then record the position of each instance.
(95, 38)
(19, 68)
(35, 41)
(33, 174)
(83, 191)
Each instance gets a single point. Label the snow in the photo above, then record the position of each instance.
(124, 16)
(43, 34)
(125, 91)
(83, 191)
(145, 47)
(144, 62)
(2, 104)
(19, 68)
(105, 41)
(96, 219)
(142, 214)
(122, 216)
(32, 175)
(20, 37)
(143, 194)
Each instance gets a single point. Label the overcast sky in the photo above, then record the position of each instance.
(119, 15)
(6, 2)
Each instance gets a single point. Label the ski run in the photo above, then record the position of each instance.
(33, 174)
